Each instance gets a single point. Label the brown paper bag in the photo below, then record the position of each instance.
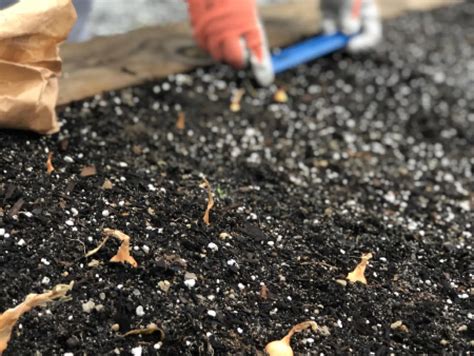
(30, 32)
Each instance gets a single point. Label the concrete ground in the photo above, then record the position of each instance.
(138, 13)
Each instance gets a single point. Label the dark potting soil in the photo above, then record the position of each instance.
(372, 153)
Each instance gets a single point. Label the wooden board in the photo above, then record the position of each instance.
(114, 62)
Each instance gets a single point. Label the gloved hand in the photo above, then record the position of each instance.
(231, 31)
(353, 16)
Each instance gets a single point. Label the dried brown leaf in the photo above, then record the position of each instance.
(49, 163)
(88, 171)
(357, 275)
(210, 201)
(9, 318)
(181, 121)
(123, 253)
(236, 99)
(282, 347)
(150, 329)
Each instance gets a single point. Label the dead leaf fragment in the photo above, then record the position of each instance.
(107, 184)
(93, 264)
(49, 163)
(123, 253)
(210, 201)
(88, 171)
(357, 275)
(264, 292)
(181, 121)
(280, 96)
(236, 99)
(150, 329)
(398, 325)
(282, 347)
(9, 318)
(137, 149)
(225, 236)
(164, 285)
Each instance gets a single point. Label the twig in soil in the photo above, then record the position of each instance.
(16, 207)
(123, 253)
(357, 275)
(150, 329)
(9, 318)
(236, 99)
(210, 201)
(282, 347)
(181, 121)
(49, 163)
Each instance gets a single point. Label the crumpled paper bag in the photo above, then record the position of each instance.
(30, 32)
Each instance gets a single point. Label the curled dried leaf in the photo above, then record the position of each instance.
(236, 99)
(358, 274)
(282, 347)
(150, 329)
(123, 253)
(49, 163)
(181, 121)
(210, 201)
(9, 318)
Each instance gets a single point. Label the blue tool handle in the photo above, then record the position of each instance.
(308, 50)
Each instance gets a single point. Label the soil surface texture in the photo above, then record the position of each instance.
(371, 153)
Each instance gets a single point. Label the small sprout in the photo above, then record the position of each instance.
(236, 99)
(150, 329)
(49, 163)
(9, 318)
(123, 253)
(210, 201)
(181, 121)
(88, 171)
(282, 347)
(220, 192)
(280, 96)
(357, 275)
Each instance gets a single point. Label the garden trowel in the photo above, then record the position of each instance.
(308, 50)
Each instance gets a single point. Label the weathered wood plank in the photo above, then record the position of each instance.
(118, 61)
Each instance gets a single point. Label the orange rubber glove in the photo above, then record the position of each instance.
(231, 31)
